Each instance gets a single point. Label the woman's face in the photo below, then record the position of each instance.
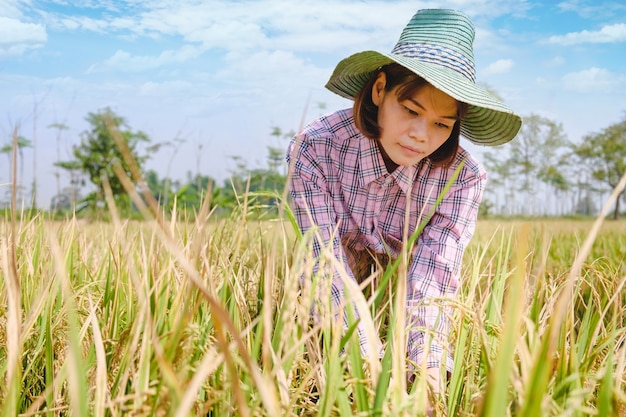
(414, 128)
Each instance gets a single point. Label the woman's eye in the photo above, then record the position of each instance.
(443, 125)
(411, 112)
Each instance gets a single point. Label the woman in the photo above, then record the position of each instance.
(361, 175)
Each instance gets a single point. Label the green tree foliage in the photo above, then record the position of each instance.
(605, 154)
(252, 181)
(188, 197)
(263, 184)
(260, 187)
(98, 152)
(191, 195)
(160, 188)
(165, 189)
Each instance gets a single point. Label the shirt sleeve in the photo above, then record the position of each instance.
(435, 268)
(313, 208)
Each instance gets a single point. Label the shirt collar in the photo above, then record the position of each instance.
(372, 166)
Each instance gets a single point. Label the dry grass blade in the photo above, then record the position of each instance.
(223, 322)
(135, 172)
(210, 362)
(100, 397)
(496, 402)
(14, 301)
(150, 342)
(567, 295)
(76, 378)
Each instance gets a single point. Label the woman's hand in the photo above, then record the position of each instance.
(433, 377)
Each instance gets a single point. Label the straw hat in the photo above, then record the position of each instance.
(437, 45)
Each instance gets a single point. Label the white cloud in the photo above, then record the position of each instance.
(320, 25)
(306, 26)
(501, 66)
(78, 22)
(608, 34)
(165, 89)
(557, 61)
(12, 8)
(593, 9)
(70, 24)
(251, 28)
(94, 25)
(268, 79)
(125, 62)
(264, 66)
(576, 6)
(17, 37)
(598, 80)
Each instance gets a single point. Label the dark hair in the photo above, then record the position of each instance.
(407, 84)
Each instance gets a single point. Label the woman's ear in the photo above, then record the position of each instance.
(378, 89)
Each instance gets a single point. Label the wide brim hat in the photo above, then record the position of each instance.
(437, 45)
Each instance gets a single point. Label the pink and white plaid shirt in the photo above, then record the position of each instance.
(341, 185)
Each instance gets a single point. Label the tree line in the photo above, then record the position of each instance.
(541, 172)
(109, 143)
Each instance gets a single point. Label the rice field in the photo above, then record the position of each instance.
(206, 318)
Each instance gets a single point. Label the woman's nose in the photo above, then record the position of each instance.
(418, 131)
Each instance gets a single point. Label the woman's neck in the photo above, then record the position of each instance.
(389, 164)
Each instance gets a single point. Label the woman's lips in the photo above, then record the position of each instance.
(411, 150)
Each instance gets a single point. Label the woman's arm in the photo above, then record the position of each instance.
(436, 264)
(314, 207)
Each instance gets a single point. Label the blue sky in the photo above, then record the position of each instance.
(221, 74)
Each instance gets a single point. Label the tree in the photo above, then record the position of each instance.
(67, 197)
(554, 178)
(500, 176)
(534, 154)
(60, 127)
(551, 163)
(259, 180)
(276, 154)
(165, 191)
(160, 188)
(191, 195)
(98, 151)
(605, 153)
(22, 143)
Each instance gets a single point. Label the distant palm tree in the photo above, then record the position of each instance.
(60, 127)
(22, 143)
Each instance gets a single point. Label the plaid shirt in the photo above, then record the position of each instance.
(341, 185)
